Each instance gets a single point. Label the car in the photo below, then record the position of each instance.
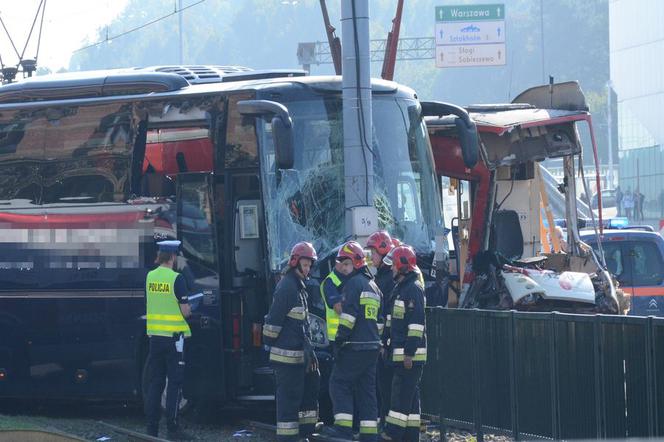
(636, 257)
(609, 203)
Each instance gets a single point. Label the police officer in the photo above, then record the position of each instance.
(407, 349)
(380, 243)
(286, 331)
(167, 307)
(330, 291)
(357, 343)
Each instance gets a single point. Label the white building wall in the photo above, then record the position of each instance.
(637, 70)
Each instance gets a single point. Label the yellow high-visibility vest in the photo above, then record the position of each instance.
(331, 316)
(164, 317)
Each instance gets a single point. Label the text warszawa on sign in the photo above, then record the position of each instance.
(470, 35)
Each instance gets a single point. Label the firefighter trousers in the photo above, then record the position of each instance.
(354, 376)
(297, 401)
(164, 361)
(403, 419)
(384, 383)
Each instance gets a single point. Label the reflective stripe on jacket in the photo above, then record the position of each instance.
(407, 325)
(358, 323)
(286, 328)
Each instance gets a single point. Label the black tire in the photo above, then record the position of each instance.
(183, 407)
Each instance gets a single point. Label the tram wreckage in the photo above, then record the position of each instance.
(507, 253)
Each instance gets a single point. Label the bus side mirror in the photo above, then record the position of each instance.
(282, 134)
(465, 125)
(282, 128)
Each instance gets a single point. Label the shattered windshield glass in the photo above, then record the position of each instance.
(307, 203)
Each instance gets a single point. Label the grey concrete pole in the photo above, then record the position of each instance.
(357, 127)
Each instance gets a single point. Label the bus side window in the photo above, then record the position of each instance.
(195, 219)
(178, 141)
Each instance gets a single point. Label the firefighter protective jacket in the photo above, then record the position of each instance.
(360, 323)
(286, 328)
(385, 280)
(407, 333)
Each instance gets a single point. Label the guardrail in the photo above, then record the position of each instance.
(551, 375)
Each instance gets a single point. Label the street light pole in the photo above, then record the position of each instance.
(181, 45)
(542, 39)
(609, 123)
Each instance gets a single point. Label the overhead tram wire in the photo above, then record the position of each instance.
(9, 36)
(138, 28)
(41, 26)
(32, 28)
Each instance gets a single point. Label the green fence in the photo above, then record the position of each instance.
(551, 375)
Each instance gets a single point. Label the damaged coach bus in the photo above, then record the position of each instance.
(237, 164)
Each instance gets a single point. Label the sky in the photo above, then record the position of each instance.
(68, 26)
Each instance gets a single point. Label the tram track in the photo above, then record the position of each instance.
(115, 422)
(133, 435)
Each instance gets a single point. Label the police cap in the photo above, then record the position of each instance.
(171, 246)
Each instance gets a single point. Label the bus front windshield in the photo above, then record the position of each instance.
(307, 203)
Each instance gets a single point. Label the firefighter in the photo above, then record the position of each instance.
(286, 331)
(167, 307)
(357, 344)
(407, 348)
(330, 291)
(380, 243)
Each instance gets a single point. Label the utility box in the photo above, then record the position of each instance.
(364, 221)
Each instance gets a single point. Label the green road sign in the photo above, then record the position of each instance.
(470, 12)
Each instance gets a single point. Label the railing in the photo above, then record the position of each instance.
(551, 375)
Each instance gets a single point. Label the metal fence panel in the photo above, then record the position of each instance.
(636, 377)
(432, 377)
(577, 389)
(534, 340)
(456, 345)
(624, 370)
(551, 375)
(494, 387)
(613, 381)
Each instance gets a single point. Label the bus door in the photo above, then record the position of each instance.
(457, 207)
(249, 285)
(196, 221)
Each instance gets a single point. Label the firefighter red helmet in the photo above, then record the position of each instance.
(404, 259)
(354, 251)
(302, 250)
(387, 259)
(381, 242)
